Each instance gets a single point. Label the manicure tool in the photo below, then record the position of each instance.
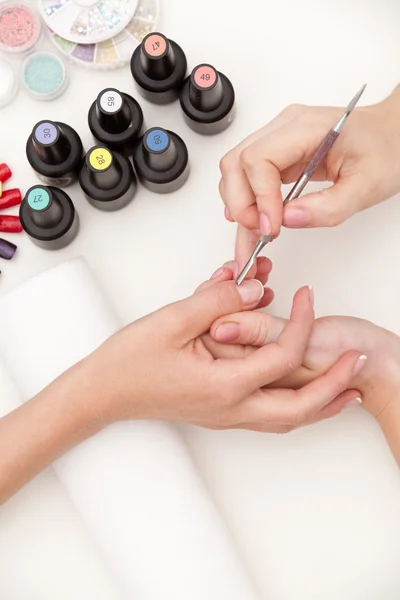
(304, 178)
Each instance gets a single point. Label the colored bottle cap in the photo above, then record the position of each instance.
(48, 217)
(205, 88)
(157, 56)
(159, 149)
(44, 208)
(5, 172)
(113, 111)
(50, 143)
(104, 172)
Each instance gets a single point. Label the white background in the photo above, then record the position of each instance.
(316, 514)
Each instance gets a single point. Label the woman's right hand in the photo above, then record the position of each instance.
(362, 164)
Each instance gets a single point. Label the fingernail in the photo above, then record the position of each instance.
(295, 217)
(311, 290)
(251, 291)
(359, 364)
(217, 273)
(354, 402)
(265, 224)
(227, 332)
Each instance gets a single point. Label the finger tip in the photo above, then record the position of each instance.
(264, 264)
(267, 299)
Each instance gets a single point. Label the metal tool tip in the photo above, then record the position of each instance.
(356, 98)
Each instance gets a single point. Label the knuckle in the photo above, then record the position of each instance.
(220, 298)
(335, 219)
(291, 363)
(246, 157)
(293, 109)
(341, 384)
(227, 162)
(333, 213)
(260, 330)
(226, 299)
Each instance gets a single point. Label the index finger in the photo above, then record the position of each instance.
(235, 189)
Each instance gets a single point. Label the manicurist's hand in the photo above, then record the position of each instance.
(378, 381)
(362, 164)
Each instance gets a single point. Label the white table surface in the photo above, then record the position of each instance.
(316, 514)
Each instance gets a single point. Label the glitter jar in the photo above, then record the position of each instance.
(44, 75)
(20, 27)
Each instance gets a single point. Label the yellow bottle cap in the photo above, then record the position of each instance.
(100, 159)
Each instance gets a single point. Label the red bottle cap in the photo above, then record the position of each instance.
(5, 172)
(10, 198)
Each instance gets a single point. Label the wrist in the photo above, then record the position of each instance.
(112, 389)
(388, 111)
(71, 399)
(379, 381)
(84, 388)
(379, 384)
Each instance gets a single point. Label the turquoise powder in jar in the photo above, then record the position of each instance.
(44, 75)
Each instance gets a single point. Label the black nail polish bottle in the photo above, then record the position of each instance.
(158, 67)
(54, 150)
(161, 161)
(107, 179)
(49, 217)
(116, 120)
(207, 99)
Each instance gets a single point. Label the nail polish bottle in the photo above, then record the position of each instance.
(107, 179)
(54, 150)
(207, 99)
(158, 67)
(161, 161)
(116, 120)
(49, 217)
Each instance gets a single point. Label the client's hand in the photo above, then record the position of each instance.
(242, 334)
(160, 368)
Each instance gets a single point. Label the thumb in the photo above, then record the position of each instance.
(195, 315)
(328, 207)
